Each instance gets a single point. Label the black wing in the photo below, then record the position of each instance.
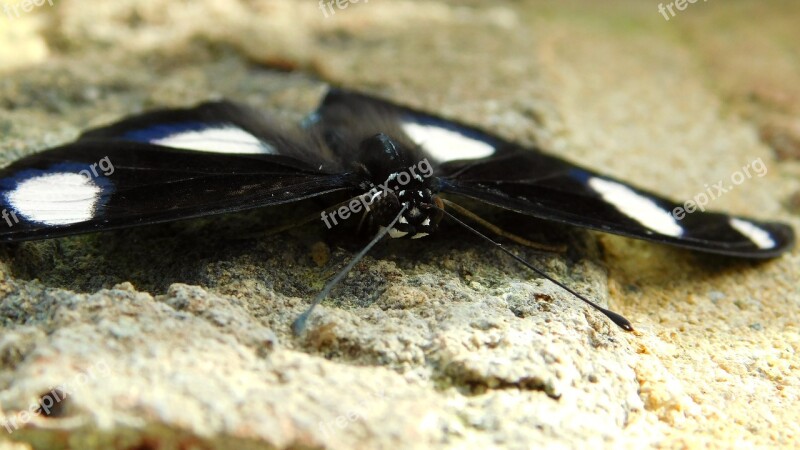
(478, 165)
(164, 166)
(346, 118)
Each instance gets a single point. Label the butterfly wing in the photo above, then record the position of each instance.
(346, 118)
(475, 164)
(538, 185)
(164, 166)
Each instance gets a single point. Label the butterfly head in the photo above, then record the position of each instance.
(398, 177)
(419, 219)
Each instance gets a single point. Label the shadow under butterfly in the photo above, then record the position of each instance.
(221, 157)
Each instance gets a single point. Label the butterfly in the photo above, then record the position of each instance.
(398, 167)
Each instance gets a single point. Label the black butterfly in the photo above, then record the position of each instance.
(393, 162)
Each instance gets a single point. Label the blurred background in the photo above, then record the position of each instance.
(669, 95)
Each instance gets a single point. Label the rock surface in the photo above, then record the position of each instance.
(177, 336)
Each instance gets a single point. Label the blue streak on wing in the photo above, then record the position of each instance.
(163, 131)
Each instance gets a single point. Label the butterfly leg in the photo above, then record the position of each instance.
(501, 232)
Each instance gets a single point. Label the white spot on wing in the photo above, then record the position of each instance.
(446, 145)
(55, 198)
(419, 235)
(759, 236)
(395, 233)
(637, 207)
(217, 140)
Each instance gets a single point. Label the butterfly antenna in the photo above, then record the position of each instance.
(622, 322)
(299, 324)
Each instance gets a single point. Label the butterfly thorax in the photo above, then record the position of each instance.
(394, 180)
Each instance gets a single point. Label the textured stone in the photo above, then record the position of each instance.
(178, 335)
